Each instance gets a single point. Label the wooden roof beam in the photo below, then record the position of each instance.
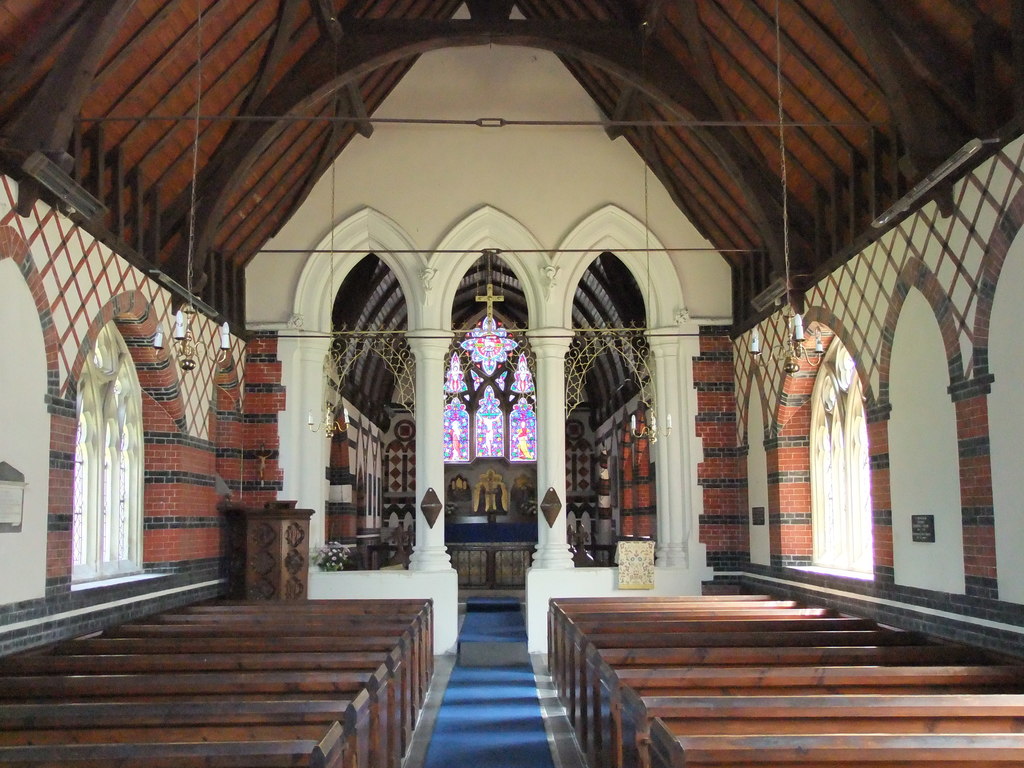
(932, 60)
(927, 129)
(371, 44)
(287, 19)
(47, 120)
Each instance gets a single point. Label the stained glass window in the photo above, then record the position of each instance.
(490, 426)
(454, 381)
(456, 432)
(522, 428)
(523, 383)
(488, 345)
(494, 414)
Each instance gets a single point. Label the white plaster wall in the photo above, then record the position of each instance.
(924, 465)
(542, 584)
(440, 586)
(427, 178)
(757, 479)
(24, 435)
(1006, 424)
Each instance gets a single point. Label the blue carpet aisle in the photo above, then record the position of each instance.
(490, 716)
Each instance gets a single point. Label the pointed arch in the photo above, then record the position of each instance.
(916, 275)
(365, 231)
(612, 229)
(486, 227)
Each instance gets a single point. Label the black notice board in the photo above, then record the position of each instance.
(757, 515)
(922, 528)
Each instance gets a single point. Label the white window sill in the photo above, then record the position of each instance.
(824, 571)
(114, 581)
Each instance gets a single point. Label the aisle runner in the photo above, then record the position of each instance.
(490, 716)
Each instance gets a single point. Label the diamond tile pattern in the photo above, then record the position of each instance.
(80, 276)
(856, 298)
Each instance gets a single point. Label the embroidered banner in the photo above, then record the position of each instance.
(636, 564)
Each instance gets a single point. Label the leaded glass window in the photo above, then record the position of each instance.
(493, 416)
(840, 476)
(106, 520)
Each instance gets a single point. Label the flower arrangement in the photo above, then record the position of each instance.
(334, 556)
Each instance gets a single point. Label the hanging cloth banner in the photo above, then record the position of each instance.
(636, 564)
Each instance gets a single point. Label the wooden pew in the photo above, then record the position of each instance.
(365, 681)
(635, 702)
(674, 718)
(971, 750)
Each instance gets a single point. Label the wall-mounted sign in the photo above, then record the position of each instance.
(922, 528)
(12, 498)
(757, 515)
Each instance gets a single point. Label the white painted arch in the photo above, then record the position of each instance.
(612, 229)
(486, 227)
(364, 232)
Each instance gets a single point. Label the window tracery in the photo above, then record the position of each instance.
(107, 479)
(492, 416)
(840, 468)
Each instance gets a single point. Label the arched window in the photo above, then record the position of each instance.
(106, 526)
(840, 471)
(493, 415)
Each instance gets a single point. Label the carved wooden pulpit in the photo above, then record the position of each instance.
(275, 551)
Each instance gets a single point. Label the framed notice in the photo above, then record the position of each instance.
(922, 528)
(12, 498)
(757, 515)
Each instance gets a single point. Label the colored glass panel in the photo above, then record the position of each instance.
(490, 426)
(523, 432)
(488, 345)
(500, 381)
(456, 431)
(477, 380)
(523, 383)
(454, 381)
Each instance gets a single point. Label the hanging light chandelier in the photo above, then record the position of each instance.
(793, 349)
(186, 350)
(329, 424)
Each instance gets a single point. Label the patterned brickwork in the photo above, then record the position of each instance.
(190, 421)
(723, 522)
(264, 400)
(955, 264)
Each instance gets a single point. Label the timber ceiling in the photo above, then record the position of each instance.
(876, 94)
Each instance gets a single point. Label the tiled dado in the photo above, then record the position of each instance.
(66, 613)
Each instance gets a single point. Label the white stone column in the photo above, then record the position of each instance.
(430, 346)
(304, 454)
(672, 452)
(549, 346)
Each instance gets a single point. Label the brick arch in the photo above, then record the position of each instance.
(755, 387)
(135, 318)
(916, 275)
(227, 383)
(831, 321)
(13, 246)
(1004, 233)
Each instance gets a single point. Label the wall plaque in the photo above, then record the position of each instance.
(12, 498)
(922, 528)
(757, 515)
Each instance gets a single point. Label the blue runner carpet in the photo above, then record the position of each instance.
(490, 716)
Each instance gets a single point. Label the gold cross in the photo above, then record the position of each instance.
(490, 298)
